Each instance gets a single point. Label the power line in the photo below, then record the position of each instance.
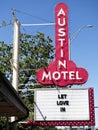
(30, 25)
(28, 14)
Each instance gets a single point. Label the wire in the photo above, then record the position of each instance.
(42, 19)
(27, 70)
(29, 84)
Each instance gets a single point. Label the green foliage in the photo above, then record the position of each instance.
(4, 24)
(2, 122)
(5, 57)
(38, 128)
(35, 52)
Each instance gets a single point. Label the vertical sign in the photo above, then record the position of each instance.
(62, 71)
(61, 33)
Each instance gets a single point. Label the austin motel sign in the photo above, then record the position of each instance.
(62, 71)
(70, 107)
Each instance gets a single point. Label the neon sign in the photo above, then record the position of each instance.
(62, 71)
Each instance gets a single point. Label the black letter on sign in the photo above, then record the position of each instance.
(63, 109)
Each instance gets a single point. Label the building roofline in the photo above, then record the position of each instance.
(11, 100)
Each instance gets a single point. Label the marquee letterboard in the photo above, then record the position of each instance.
(62, 104)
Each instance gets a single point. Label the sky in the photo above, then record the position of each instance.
(81, 13)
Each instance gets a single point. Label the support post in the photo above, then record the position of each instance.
(15, 60)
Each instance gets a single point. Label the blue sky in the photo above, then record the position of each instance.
(83, 48)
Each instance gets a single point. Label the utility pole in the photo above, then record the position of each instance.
(15, 60)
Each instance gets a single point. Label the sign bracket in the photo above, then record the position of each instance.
(44, 117)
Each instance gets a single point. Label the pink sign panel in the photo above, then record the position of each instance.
(62, 71)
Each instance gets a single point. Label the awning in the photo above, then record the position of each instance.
(10, 102)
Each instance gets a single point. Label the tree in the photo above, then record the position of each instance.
(36, 51)
(5, 57)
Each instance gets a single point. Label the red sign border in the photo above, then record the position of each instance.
(91, 122)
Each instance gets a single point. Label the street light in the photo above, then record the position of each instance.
(79, 30)
(77, 33)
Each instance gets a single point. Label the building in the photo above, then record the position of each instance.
(10, 102)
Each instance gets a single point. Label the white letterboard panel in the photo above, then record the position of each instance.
(61, 105)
